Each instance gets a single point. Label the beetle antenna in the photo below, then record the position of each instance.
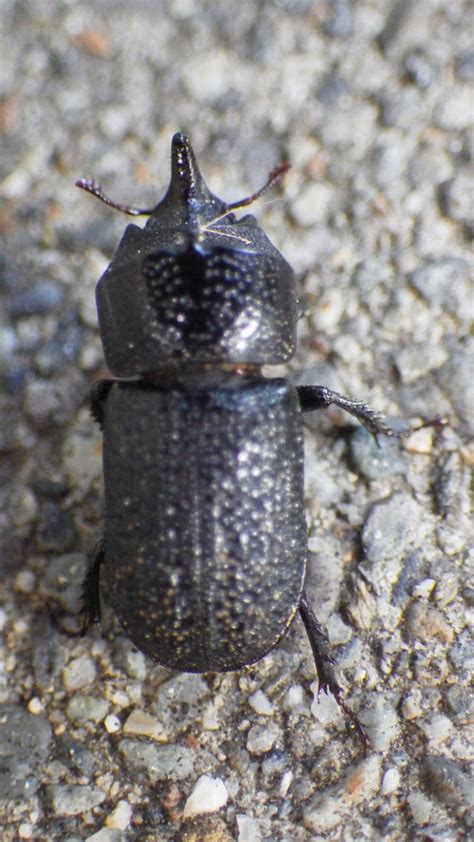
(276, 173)
(91, 186)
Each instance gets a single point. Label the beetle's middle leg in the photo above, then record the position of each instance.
(90, 597)
(324, 665)
(99, 392)
(320, 397)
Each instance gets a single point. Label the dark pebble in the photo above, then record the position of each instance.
(24, 746)
(447, 781)
(42, 298)
(376, 458)
(55, 531)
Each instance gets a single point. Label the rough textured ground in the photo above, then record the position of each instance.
(370, 102)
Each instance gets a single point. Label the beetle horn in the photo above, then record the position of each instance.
(187, 186)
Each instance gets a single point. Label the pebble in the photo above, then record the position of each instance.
(120, 817)
(106, 834)
(55, 531)
(328, 808)
(311, 206)
(382, 724)
(446, 780)
(24, 747)
(445, 283)
(337, 630)
(161, 763)
(437, 729)
(249, 830)
(63, 579)
(420, 806)
(262, 738)
(456, 198)
(72, 799)
(83, 708)
(260, 703)
(390, 781)
(25, 581)
(426, 624)
(112, 723)
(394, 526)
(140, 723)
(79, 673)
(374, 459)
(42, 298)
(208, 796)
(411, 709)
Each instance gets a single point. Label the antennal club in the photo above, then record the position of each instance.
(91, 186)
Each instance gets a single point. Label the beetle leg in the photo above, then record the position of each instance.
(324, 666)
(319, 397)
(90, 599)
(100, 390)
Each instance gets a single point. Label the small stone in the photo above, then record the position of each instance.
(425, 623)
(262, 738)
(260, 703)
(446, 780)
(328, 808)
(393, 527)
(23, 507)
(456, 198)
(424, 588)
(25, 830)
(35, 705)
(437, 728)
(161, 763)
(324, 707)
(63, 580)
(294, 697)
(105, 834)
(249, 830)
(390, 781)
(382, 725)
(72, 799)
(312, 204)
(120, 818)
(420, 806)
(25, 581)
(285, 783)
(411, 709)
(83, 708)
(337, 630)
(79, 673)
(208, 796)
(55, 531)
(112, 723)
(141, 723)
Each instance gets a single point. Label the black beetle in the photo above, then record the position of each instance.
(204, 549)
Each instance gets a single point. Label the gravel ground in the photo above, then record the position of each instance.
(370, 102)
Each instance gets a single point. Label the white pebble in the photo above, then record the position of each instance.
(390, 781)
(112, 723)
(261, 703)
(208, 795)
(119, 819)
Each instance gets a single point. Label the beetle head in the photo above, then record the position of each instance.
(195, 285)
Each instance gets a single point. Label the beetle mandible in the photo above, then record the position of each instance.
(204, 547)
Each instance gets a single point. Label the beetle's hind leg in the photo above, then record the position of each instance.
(324, 665)
(90, 597)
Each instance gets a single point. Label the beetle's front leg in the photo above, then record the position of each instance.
(324, 665)
(320, 397)
(90, 598)
(100, 390)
